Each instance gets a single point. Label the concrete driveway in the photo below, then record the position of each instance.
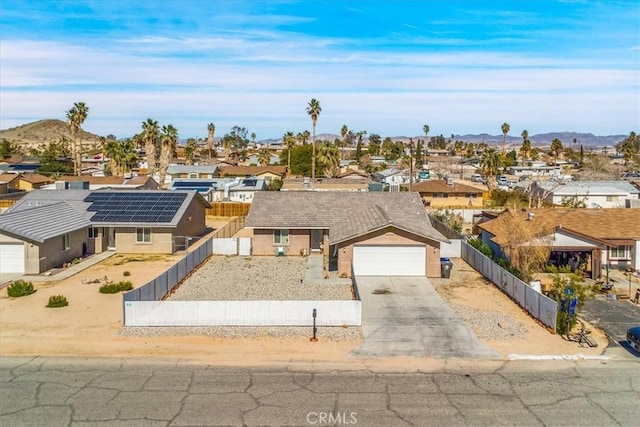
(405, 316)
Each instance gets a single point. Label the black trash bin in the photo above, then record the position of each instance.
(445, 268)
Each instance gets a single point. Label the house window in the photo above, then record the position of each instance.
(93, 233)
(143, 235)
(66, 242)
(280, 237)
(471, 195)
(193, 175)
(619, 252)
(612, 198)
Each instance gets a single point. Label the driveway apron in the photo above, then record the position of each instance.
(405, 316)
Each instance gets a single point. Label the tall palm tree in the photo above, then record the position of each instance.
(425, 129)
(76, 116)
(505, 130)
(490, 162)
(525, 149)
(190, 151)
(264, 157)
(150, 136)
(169, 135)
(313, 110)
(289, 141)
(344, 132)
(211, 129)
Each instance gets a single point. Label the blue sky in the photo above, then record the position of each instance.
(387, 67)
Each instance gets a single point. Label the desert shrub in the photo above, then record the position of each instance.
(20, 288)
(561, 269)
(126, 274)
(510, 268)
(565, 288)
(114, 288)
(481, 246)
(56, 301)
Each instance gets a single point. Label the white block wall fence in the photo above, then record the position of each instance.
(242, 313)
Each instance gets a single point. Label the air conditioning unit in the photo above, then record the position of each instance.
(280, 251)
(61, 185)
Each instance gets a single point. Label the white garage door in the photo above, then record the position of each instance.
(389, 260)
(11, 258)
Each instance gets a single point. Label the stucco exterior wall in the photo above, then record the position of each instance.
(453, 200)
(193, 221)
(161, 241)
(52, 254)
(263, 242)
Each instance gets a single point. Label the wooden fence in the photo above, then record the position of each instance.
(228, 209)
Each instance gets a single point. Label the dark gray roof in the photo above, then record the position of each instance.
(346, 215)
(43, 222)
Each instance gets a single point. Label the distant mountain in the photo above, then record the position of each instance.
(44, 132)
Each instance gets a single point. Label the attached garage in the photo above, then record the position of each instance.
(12, 258)
(389, 260)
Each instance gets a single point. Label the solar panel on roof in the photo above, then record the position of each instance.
(134, 207)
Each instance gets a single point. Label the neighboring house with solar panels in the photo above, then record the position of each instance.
(47, 228)
(240, 190)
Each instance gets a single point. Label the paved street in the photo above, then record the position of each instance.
(405, 316)
(614, 317)
(128, 392)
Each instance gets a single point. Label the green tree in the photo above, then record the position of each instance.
(76, 116)
(505, 130)
(300, 159)
(8, 149)
(556, 148)
(236, 140)
(122, 156)
(211, 130)
(564, 288)
(289, 141)
(344, 131)
(150, 137)
(425, 129)
(358, 151)
(374, 144)
(264, 157)
(169, 136)
(490, 162)
(190, 150)
(391, 150)
(313, 110)
(419, 162)
(328, 158)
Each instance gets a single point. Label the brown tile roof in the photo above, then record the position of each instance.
(603, 224)
(8, 177)
(350, 172)
(35, 178)
(324, 184)
(104, 180)
(345, 214)
(253, 170)
(440, 186)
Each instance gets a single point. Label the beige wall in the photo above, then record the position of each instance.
(161, 241)
(390, 236)
(263, 242)
(193, 221)
(452, 200)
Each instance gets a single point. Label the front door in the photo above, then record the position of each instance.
(316, 240)
(596, 261)
(110, 233)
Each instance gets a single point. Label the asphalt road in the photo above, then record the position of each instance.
(614, 317)
(127, 392)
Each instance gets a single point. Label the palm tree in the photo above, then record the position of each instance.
(556, 147)
(150, 136)
(289, 141)
(190, 150)
(264, 157)
(490, 162)
(425, 129)
(169, 140)
(211, 129)
(328, 158)
(344, 132)
(525, 149)
(76, 116)
(505, 130)
(313, 110)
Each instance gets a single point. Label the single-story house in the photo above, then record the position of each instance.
(350, 173)
(32, 181)
(593, 194)
(193, 171)
(222, 189)
(325, 184)
(9, 182)
(591, 237)
(140, 182)
(442, 193)
(252, 159)
(386, 234)
(268, 173)
(392, 176)
(47, 228)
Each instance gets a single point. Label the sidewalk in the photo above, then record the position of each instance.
(315, 272)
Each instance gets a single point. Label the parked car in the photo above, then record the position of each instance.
(502, 180)
(633, 338)
(476, 177)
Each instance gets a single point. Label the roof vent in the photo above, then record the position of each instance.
(449, 181)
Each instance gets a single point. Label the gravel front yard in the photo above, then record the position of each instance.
(235, 278)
